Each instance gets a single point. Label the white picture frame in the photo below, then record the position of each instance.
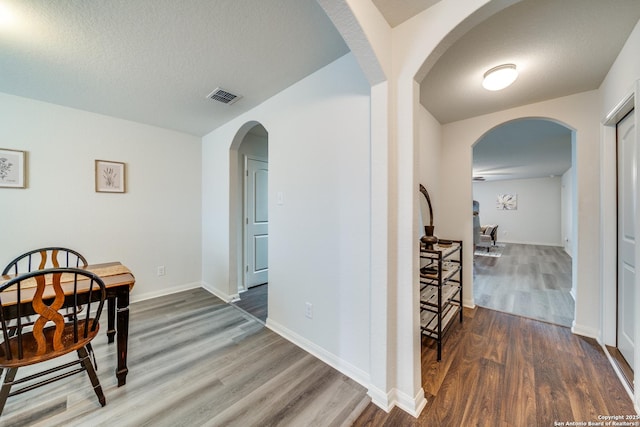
(110, 176)
(12, 168)
(507, 202)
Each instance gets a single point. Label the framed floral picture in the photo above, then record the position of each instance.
(110, 177)
(507, 202)
(12, 168)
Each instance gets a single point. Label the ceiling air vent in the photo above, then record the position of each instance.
(223, 96)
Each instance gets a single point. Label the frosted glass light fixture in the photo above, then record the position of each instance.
(6, 16)
(500, 77)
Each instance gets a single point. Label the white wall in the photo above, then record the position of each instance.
(156, 222)
(566, 225)
(254, 146)
(623, 74)
(429, 136)
(319, 237)
(538, 217)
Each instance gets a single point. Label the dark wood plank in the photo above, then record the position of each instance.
(519, 381)
(623, 365)
(503, 370)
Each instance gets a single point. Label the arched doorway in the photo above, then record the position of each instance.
(523, 262)
(248, 219)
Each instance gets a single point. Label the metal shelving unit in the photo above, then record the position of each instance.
(440, 289)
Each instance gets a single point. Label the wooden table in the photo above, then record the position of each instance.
(118, 281)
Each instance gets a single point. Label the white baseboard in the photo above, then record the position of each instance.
(618, 372)
(573, 294)
(559, 245)
(385, 401)
(585, 331)
(220, 294)
(330, 359)
(411, 405)
(381, 399)
(166, 291)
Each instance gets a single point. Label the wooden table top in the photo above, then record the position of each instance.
(113, 274)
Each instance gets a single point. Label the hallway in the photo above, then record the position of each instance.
(527, 280)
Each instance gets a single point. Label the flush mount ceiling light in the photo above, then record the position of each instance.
(7, 18)
(500, 77)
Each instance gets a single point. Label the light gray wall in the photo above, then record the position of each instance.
(567, 191)
(319, 235)
(155, 223)
(538, 217)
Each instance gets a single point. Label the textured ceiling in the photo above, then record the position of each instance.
(530, 148)
(560, 48)
(155, 61)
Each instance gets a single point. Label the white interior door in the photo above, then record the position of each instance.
(256, 223)
(627, 181)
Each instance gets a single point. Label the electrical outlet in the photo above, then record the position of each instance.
(308, 310)
(161, 271)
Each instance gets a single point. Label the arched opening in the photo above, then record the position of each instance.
(523, 183)
(248, 219)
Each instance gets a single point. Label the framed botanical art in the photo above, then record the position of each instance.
(110, 177)
(12, 168)
(507, 202)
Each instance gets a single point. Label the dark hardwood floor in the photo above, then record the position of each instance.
(503, 370)
(623, 365)
(528, 280)
(254, 301)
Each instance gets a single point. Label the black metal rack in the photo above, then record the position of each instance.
(440, 289)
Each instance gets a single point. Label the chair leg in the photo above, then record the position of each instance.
(86, 362)
(6, 386)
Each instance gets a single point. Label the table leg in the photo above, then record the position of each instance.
(111, 319)
(123, 334)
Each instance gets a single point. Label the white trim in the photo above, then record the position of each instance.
(217, 292)
(245, 215)
(330, 359)
(412, 405)
(585, 331)
(608, 225)
(381, 399)
(556, 245)
(621, 110)
(164, 292)
(618, 372)
(385, 401)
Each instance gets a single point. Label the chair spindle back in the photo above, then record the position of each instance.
(49, 257)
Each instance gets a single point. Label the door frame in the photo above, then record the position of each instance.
(609, 234)
(245, 215)
(625, 343)
(235, 218)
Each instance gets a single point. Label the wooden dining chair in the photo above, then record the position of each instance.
(50, 257)
(43, 294)
(39, 259)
